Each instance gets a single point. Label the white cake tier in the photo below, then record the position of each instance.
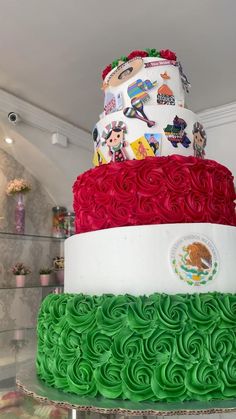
(139, 140)
(142, 78)
(166, 258)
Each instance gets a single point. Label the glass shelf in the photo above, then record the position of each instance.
(10, 235)
(10, 287)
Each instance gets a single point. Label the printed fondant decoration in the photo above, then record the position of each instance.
(185, 83)
(113, 103)
(113, 137)
(136, 110)
(124, 71)
(199, 140)
(141, 148)
(176, 133)
(98, 157)
(154, 140)
(138, 89)
(160, 63)
(165, 95)
(195, 260)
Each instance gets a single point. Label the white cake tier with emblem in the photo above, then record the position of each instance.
(166, 258)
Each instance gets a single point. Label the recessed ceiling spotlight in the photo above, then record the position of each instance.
(8, 140)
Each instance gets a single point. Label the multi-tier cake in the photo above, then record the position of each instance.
(149, 310)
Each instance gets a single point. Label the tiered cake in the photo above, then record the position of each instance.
(150, 306)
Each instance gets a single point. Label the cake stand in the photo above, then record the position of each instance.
(28, 382)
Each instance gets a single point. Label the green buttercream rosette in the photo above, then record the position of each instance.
(80, 378)
(172, 312)
(142, 317)
(111, 316)
(126, 345)
(227, 305)
(204, 311)
(108, 379)
(158, 347)
(80, 313)
(190, 347)
(96, 347)
(136, 381)
(203, 381)
(69, 343)
(59, 370)
(221, 343)
(168, 382)
(228, 374)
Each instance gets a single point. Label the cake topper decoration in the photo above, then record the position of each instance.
(165, 95)
(176, 133)
(194, 259)
(136, 110)
(113, 137)
(199, 140)
(141, 148)
(139, 88)
(154, 140)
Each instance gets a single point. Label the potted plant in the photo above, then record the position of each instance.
(58, 267)
(45, 275)
(20, 271)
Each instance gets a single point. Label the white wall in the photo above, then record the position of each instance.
(54, 166)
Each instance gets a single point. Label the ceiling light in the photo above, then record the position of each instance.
(8, 140)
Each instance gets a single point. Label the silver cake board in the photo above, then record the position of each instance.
(28, 382)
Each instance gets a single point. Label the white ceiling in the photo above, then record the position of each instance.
(52, 52)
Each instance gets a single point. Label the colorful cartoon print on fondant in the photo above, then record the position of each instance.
(123, 72)
(195, 260)
(136, 111)
(199, 140)
(98, 157)
(113, 103)
(165, 95)
(176, 133)
(141, 148)
(113, 137)
(154, 140)
(138, 89)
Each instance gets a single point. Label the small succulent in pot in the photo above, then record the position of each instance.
(45, 274)
(45, 271)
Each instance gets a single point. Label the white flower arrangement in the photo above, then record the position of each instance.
(18, 186)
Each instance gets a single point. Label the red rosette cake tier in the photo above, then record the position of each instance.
(173, 189)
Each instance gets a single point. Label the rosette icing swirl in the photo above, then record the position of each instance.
(157, 348)
(172, 189)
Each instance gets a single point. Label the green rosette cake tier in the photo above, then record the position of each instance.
(157, 348)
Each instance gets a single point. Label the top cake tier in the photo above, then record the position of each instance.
(144, 111)
(153, 80)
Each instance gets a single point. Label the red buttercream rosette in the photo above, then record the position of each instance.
(167, 54)
(137, 53)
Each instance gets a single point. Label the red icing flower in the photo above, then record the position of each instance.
(168, 55)
(137, 53)
(106, 71)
